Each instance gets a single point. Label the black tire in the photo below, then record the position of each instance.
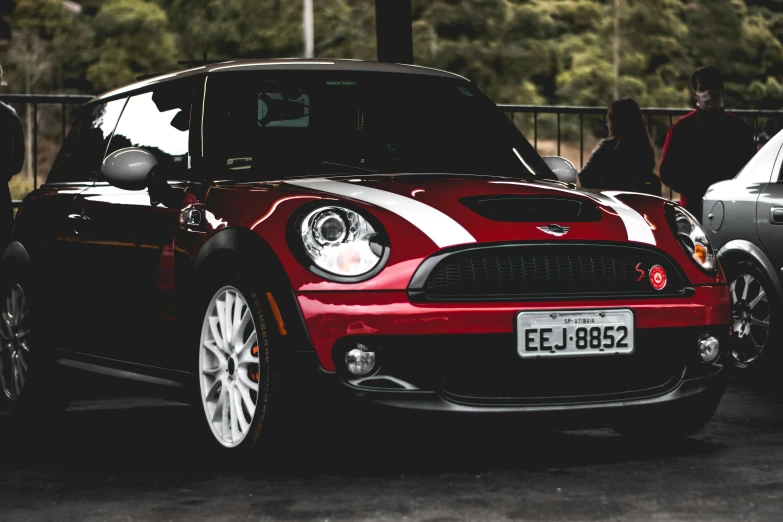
(672, 421)
(771, 354)
(269, 398)
(44, 393)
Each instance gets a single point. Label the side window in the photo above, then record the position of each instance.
(158, 121)
(83, 149)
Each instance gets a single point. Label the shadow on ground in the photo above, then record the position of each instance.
(121, 458)
(169, 437)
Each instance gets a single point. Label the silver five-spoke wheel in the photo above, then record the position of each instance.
(751, 312)
(14, 342)
(229, 366)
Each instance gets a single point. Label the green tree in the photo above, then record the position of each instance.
(133, 38)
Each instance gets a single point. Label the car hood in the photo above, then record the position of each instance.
(424, 214)
(453, 210)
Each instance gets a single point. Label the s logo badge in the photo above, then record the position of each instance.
(640, 271)
(555, 230)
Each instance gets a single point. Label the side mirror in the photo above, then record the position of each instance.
(562, 168)
(128, 168)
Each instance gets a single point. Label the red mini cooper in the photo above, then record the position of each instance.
(243, 231)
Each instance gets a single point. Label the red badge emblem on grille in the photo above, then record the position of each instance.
(658, 277)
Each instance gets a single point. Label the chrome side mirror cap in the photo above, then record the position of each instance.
(562, 168)
(128, 168)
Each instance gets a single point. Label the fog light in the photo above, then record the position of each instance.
(360, 361)
(709, 348)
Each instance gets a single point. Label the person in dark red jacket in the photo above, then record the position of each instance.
(705, 146)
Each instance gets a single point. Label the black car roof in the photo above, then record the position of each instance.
(312, 64)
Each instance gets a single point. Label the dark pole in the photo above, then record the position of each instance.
(394, 32)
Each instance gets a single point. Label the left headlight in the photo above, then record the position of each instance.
(341, 242)
(691, 237)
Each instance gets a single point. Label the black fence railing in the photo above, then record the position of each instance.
(765, 123)
(30, 108)
(563, 130)
(573, 132)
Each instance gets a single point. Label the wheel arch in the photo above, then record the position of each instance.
(16, 251)
(739, 250)
(242, 248)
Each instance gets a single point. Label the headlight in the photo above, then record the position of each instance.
(691, 236)
(340, 241)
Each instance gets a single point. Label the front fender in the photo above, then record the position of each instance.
(740, 249)
(242, 248)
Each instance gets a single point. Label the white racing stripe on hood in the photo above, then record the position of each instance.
(443, 230)
(637, 228)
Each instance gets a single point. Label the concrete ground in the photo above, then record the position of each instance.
(134, 459)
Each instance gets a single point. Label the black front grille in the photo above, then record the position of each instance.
(530, 271)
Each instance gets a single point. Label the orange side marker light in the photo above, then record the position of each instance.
(276, 313)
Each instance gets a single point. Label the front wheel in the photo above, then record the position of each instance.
(756, 314)
(234, 366)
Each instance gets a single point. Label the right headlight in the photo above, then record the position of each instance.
(341, 242)
(691, 237)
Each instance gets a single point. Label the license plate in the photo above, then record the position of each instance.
(573, 333)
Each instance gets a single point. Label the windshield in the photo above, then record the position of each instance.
(273, 125)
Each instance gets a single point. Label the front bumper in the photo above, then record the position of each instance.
(460, 357)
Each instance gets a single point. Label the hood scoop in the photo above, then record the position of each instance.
(521, 209)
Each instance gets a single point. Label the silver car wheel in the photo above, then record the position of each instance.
(229, 366)
(14, 342)
(751, 312)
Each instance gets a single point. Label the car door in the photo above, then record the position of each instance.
(130, 243)
(769, 215)
(53, 235)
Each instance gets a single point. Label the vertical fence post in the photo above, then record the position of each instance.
(535, 131)
(35, 145)
(671, 192)
(62, 121)
(581, 141)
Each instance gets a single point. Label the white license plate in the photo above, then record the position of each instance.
(570, 332)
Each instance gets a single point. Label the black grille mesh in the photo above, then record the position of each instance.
(548, 270)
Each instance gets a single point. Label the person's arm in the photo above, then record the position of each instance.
(591, 174)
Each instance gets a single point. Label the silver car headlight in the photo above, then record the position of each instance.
(340, 241)
(692, 237)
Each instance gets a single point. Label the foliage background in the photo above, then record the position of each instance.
(519, 51)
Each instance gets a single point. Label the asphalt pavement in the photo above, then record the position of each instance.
(122, 458)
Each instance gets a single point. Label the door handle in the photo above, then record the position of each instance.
(78, 221)
(776, 215)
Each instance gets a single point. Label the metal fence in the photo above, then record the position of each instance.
(558, 125)
(529, 119)
(30, 108)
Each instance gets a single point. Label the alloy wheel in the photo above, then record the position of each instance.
(229, 366)
(14, 342)
(751, 313)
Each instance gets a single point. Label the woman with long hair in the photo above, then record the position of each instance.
(626, 160)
